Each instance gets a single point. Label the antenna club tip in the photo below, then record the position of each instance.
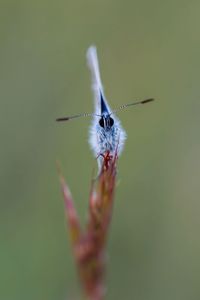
(62, 119)
(147, 100)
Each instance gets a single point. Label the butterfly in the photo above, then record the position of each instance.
(106, 134)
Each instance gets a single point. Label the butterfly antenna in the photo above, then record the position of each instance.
(75, 117)
(134, 103)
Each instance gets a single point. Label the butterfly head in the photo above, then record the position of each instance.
(106, 122)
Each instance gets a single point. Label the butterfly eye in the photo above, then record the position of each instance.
(111, 122)
(101, 122)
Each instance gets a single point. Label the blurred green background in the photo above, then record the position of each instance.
(146, 49)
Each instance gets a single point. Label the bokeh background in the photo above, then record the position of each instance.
(146, 49)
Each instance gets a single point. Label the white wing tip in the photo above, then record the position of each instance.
(92, 49)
